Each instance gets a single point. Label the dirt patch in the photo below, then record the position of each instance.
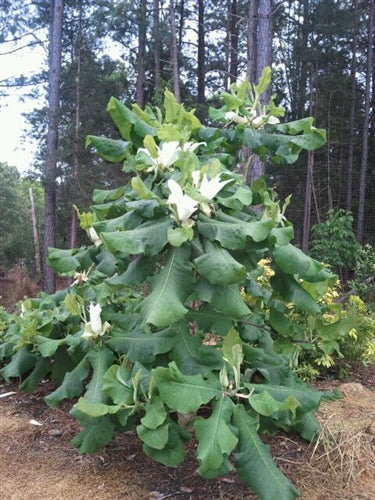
(38, 461)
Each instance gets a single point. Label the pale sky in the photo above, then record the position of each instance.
(14, 149)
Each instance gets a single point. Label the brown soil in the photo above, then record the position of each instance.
(38, 461)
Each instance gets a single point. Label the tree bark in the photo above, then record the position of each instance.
(353, 80)
(233, 23)
(307, 209)
(251, 40)
(201, 71)
(55, 43)
(76, 137)
(34, 223)
(262, 53)
(174, 52)
(366, 123)
(141, 61)
(156, 36)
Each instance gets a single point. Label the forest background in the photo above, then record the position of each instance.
(321, 53)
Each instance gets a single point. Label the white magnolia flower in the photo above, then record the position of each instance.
(95, 328)
(192, 146)
(167, 154)
(94, 237)
(95, 319)
(235, 117)
(208, 188)
(273, 120)
(185, 205)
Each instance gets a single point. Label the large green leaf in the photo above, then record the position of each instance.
(190, 355)
(63, 261)
(293, 261)
(224, 299)
(231, 232)
(41, 369)
(97, 434)
(22, 362)
(117, 385)
(149, 238)
(216, 440)
(254, 463)
(169, 289)
(209, 320)
(110, 149)
(141, 346)
(173, 453)
(100, 359)
(184, 393)
(218, 266)
(71, 385)
(155, 413)
(309, 399)
(125, 120)
(290, 290)
(155, 438)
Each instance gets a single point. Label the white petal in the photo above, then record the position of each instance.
(196, 177)
(168, 153)
(176, 192)
(209, 189)
(186, 207)
(95, 320)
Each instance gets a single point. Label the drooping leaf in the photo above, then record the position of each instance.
(172, 454)
(184, 393)
(100, 359)
(110, 149)
(155, 413)
(254, 463)
(96, 435)
(21, 362)
(293, 261)
(190, 355)
(231, 232)
(149, 238)
(41, 369)
(117, 385)
(216, 440)
(71, 385)
(289, 289)
(224, 299)
(170, 288)
(154, 438)
(219, 267)
(141, 346)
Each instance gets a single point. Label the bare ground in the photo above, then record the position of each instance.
(38, 461)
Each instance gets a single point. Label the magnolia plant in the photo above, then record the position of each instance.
(167, 281)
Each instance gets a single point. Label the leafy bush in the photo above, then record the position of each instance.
(333, 241)
(364, 273)
(156, 328)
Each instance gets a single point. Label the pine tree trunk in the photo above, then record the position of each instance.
(353, 80)
(201, 71)
(233, 23)
(75, 168)
(141, 61)
(156, 36)
(251, 40)
(55, 42)
(263, 56)
(366, 123)
(35, 233)
(174, 52)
